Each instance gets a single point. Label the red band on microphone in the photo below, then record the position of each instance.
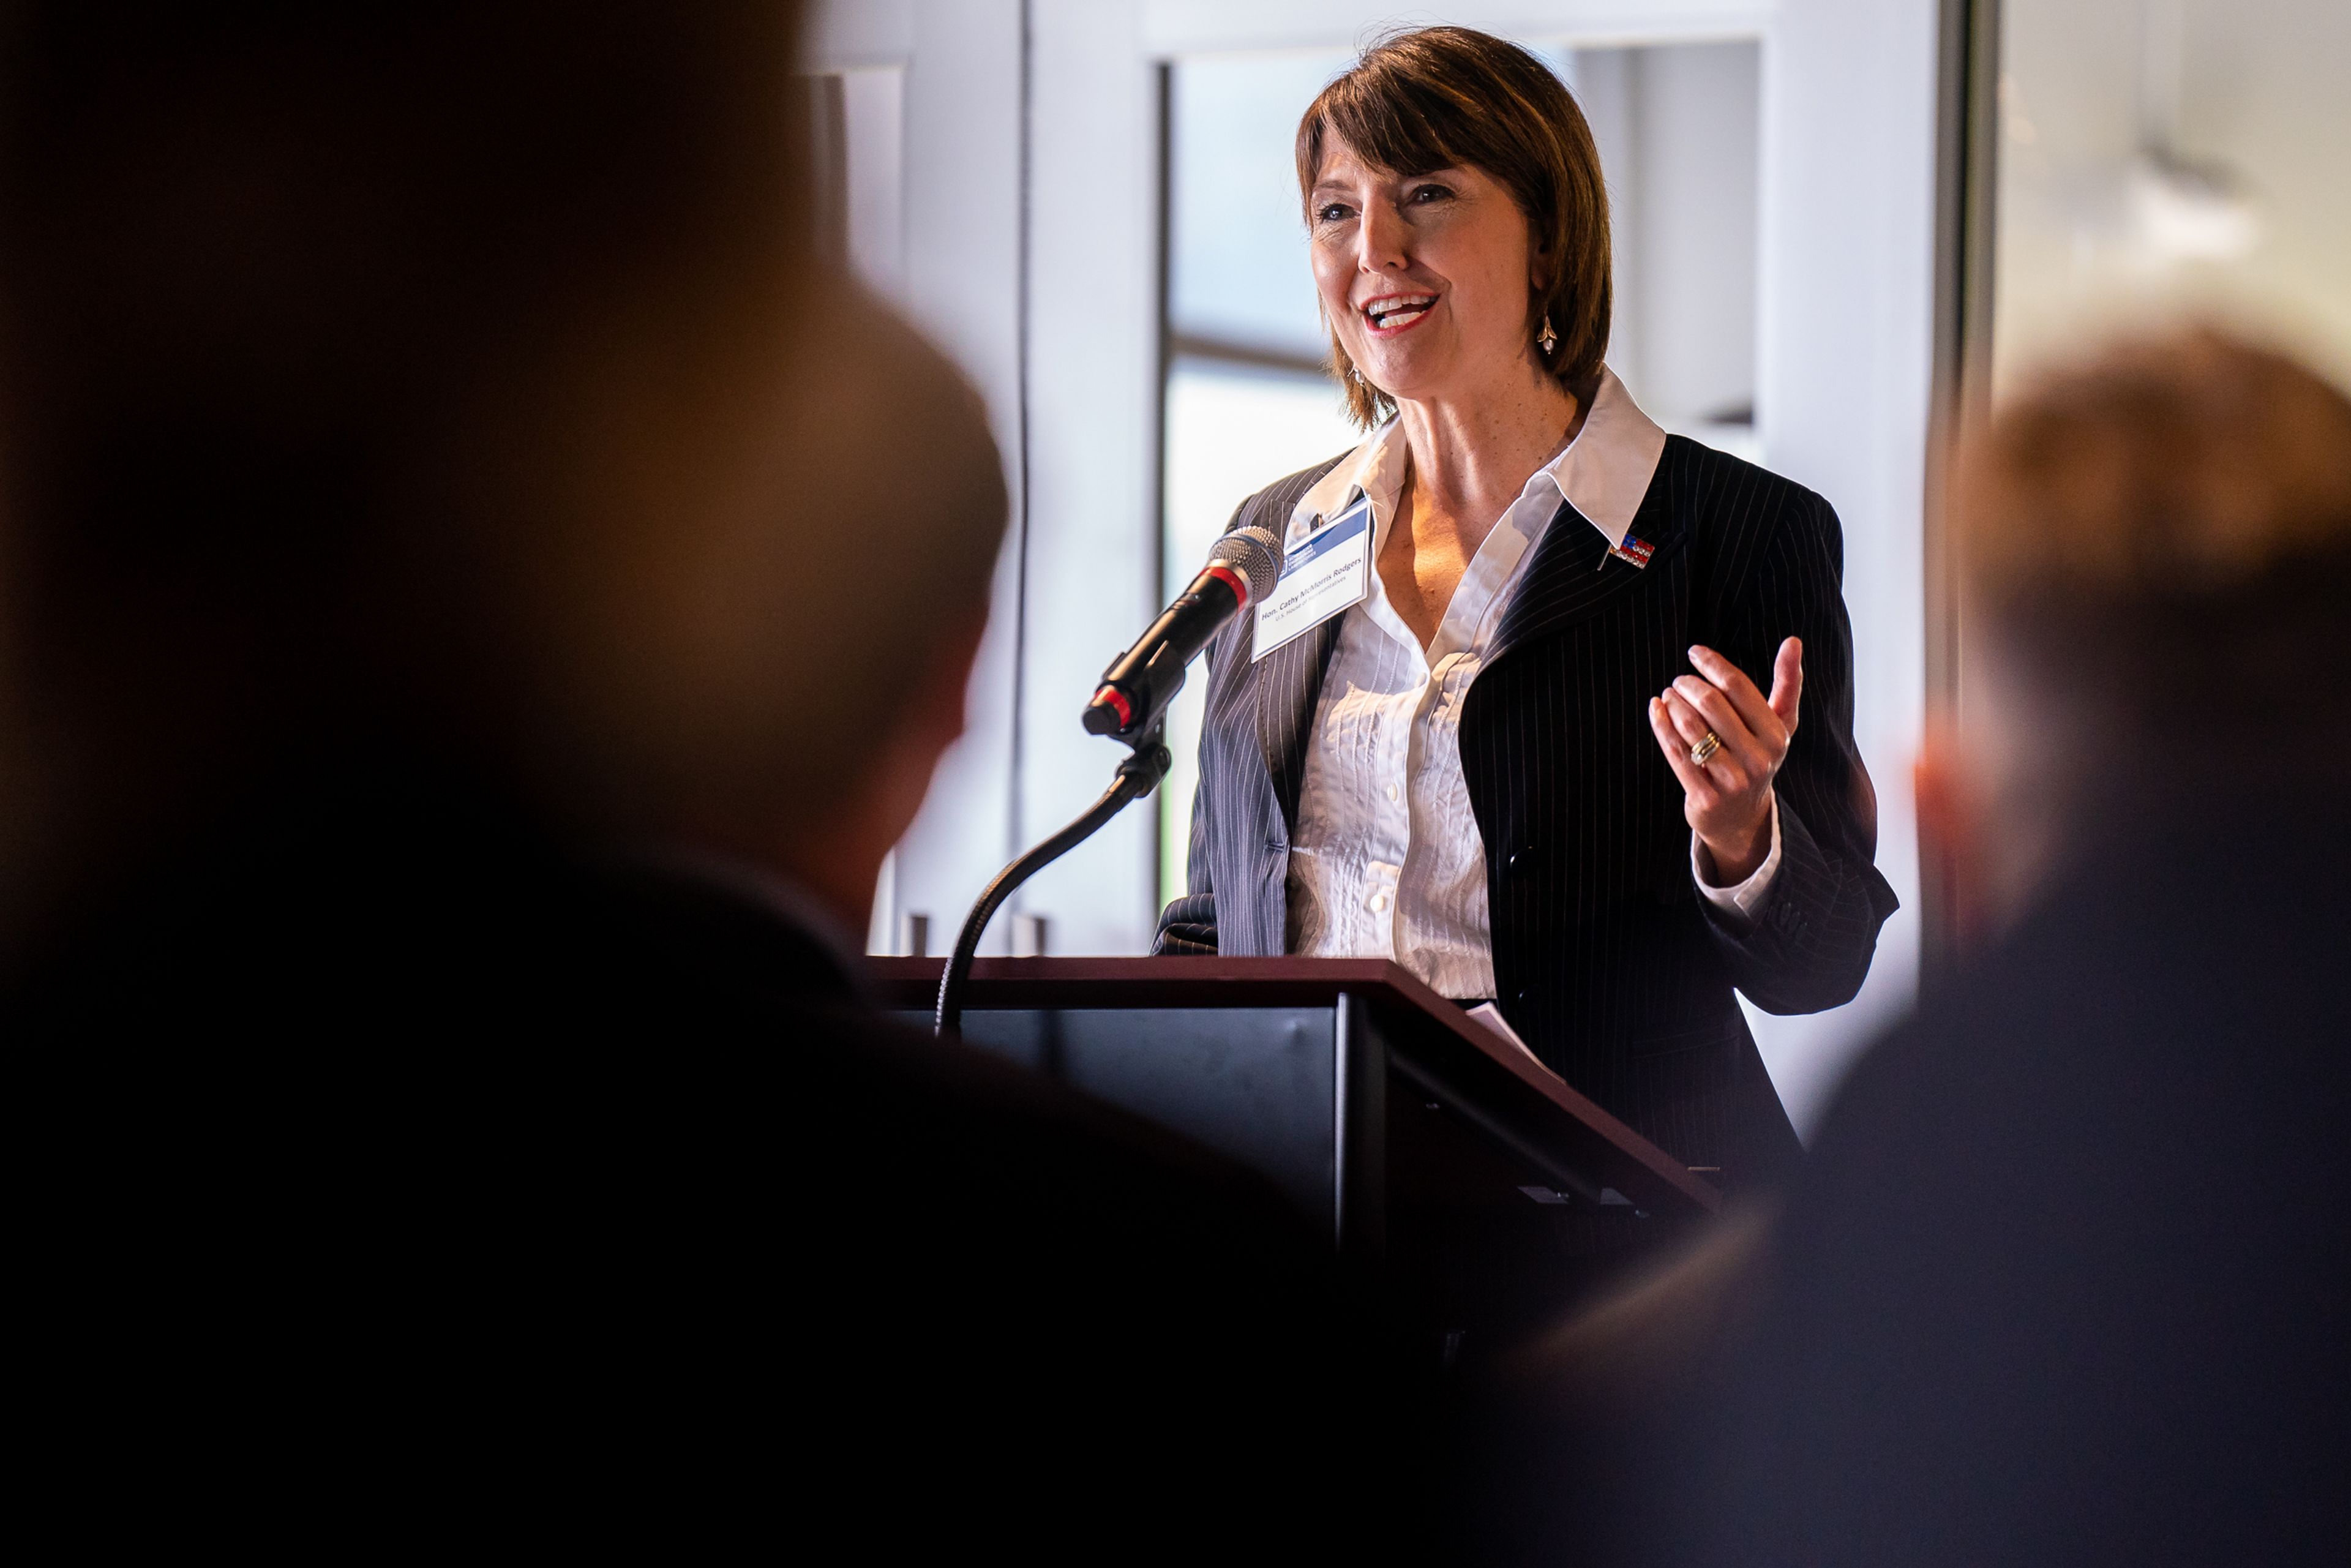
(1117, 699)
(1230, 579)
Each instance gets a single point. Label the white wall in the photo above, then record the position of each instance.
(961, 237)
(1846, 263)
(1678, 127)
(1174, 27)
(1094, 558)
(2258, 90)
(1694, 234)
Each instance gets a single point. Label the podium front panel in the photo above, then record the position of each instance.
(1256, 1085)
(1484, 1193)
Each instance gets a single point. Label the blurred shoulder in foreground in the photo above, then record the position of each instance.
(2059, 1282)
(481, 599)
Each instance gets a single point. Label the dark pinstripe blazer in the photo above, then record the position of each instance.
(1608, 962)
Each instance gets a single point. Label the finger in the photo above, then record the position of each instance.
(1694, 782)
(1733, 682)
(1686, 720)
(1726, 769)
(1788, 682)
(1715, 709)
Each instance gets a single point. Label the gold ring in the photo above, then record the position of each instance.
(1708, 745)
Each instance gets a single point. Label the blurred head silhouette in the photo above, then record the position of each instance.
(2156, 549)
(452, 393)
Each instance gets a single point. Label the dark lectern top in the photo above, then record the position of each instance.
(1443, 1041)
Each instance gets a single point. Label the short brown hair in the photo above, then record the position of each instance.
(1452, 98)
(2160, 534)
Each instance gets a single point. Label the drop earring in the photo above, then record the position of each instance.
(1548, 338)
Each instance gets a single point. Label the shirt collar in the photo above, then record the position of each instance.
(1603, 473)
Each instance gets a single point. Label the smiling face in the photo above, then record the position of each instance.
(1425, 277)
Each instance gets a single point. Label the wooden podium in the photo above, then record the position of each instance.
(1484, 1191)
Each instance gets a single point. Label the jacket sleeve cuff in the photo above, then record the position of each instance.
(1188, 929)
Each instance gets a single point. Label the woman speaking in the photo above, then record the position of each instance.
(1580, 742)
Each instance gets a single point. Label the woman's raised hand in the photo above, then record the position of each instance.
(1727, 793)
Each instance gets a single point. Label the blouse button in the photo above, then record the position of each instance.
(1392, 791)
(1379, 902)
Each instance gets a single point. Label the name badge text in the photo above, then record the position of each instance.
(1324, 574)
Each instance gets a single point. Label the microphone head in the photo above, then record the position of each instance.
(1254, 555)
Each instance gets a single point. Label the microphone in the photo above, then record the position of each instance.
(1136, 689)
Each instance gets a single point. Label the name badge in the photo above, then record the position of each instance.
(1325, 574)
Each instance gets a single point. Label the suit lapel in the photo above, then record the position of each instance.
(1288, 682)
(1573, 575)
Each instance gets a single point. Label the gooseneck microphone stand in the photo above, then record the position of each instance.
(1130, 701)
(1138, 775)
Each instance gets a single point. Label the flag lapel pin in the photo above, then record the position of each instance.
(1638, 551)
